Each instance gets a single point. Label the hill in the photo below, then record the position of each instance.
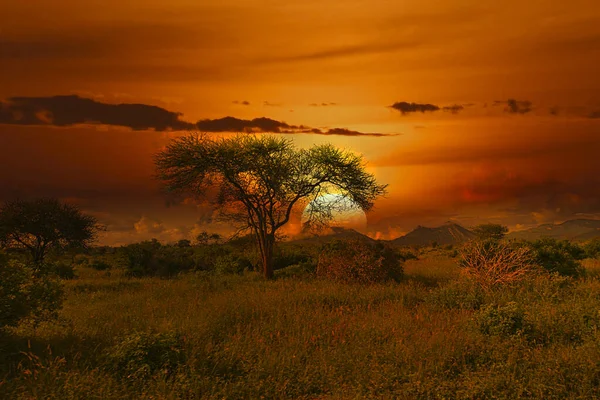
(333, 233)
(449, 233)
(576, 229)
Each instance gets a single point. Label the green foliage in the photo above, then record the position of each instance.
(286, 256)
(561, 256)
(142, 355)
(26, 294)
(359, 261)
(592, 248)
(81, 259)
(458, 294)
(150, 258)
(100, 265)
(304, 338)
(490, 231)
(506, 320)
(62, 269)
(262, 180)
(44, 224)
(231, 264)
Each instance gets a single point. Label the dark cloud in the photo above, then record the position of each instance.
(243, 103)
(267, 125)
(513, 106)
(232, 124)
(595, 115)
(454, 109)
(72, 110)
(554, 110)
(406, 108)
(348, 132)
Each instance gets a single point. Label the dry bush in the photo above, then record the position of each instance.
(491, 263)
(358, 261)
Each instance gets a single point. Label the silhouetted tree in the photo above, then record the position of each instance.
(184, 243)
(205, 238)
(42, 224)
(490, 231)
(258, 181)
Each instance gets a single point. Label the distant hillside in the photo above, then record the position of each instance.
(576, 229)
(449, 233)
(334, 233)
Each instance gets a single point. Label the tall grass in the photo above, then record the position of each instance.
(312, 339)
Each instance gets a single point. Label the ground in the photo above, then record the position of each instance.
(430, 336)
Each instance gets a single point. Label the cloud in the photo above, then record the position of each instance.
(348, 132)
(243, 103)
(269, 104)
(406, 108)
(516, 106)
(72, 109)
(232, 124)
(344, 51)
(322, 104)
(268, 125)
(148, 225)
(594, 115)
(454, 109)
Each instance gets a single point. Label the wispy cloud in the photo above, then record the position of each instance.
(72, 110)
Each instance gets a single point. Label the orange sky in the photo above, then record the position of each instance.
(323, 64)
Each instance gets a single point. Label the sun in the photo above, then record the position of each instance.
(346, 213)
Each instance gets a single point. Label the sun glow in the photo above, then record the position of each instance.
(345, 212)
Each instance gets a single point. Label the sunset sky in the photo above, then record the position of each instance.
(471, 111)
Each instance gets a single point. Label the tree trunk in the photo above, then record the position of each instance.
(268, 242)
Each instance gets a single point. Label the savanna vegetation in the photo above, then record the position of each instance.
(198, 320)
(254, 317)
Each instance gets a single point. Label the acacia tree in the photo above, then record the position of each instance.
(42, 224)
(259, 181)
(490, 231)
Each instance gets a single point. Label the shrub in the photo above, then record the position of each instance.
(559, 256)
(25, 294)
(461, 293)
(592, 248)
(284, 257)
(491, 262)
(143, 355)
(80, 259)
(507, 320)
(150, 258)
(304, 269)
(62, 269)
(231, 264)
(100, 265)
(359, 261)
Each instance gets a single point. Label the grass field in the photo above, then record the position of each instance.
(431, 336)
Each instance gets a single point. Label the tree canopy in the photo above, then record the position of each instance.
(259, 181)
(490, 231)
(42, 224)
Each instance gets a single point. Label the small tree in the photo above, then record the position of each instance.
(259, 181)
(490, 231)
(205, 238)
(492, 262)
(43, 224)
